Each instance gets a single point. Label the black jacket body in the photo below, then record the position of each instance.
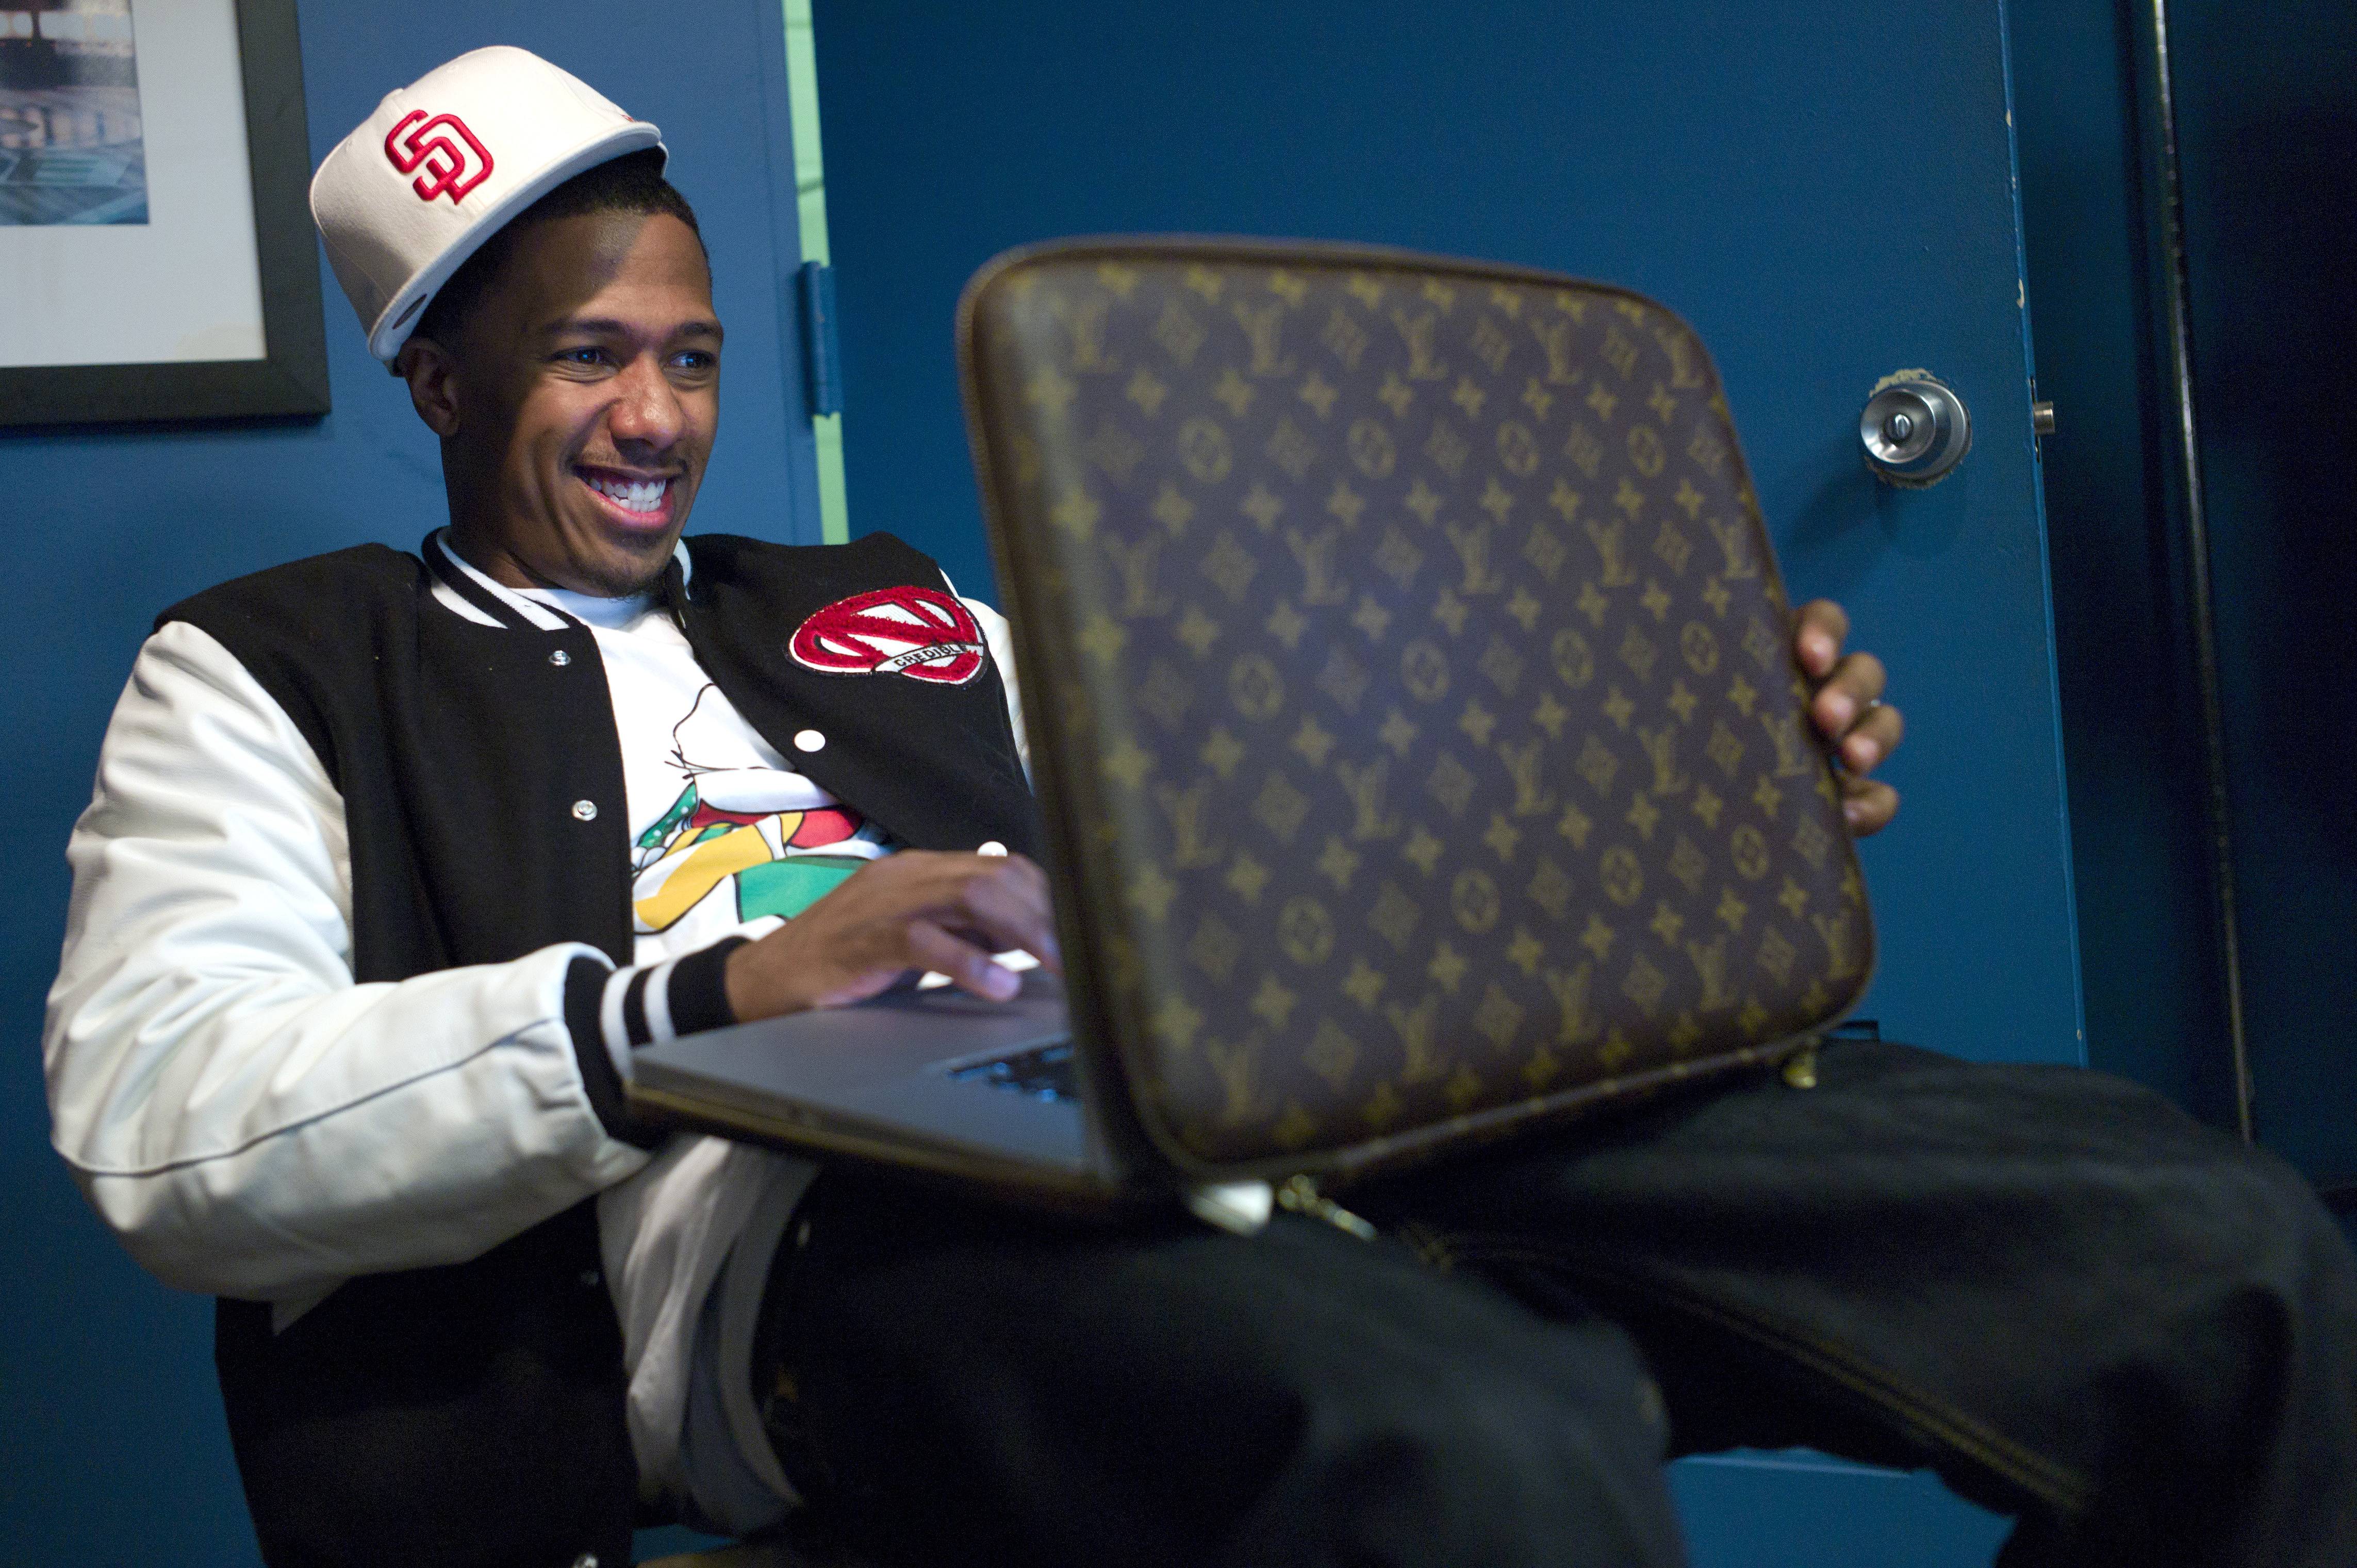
(473, 1413)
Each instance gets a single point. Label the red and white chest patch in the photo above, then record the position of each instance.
(922, 633)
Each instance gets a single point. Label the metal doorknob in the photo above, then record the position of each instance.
(1915, 429)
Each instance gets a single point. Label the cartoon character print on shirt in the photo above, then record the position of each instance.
(767, 837)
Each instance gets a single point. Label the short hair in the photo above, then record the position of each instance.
(631, 183)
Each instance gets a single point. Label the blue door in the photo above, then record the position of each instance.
(1824, 191)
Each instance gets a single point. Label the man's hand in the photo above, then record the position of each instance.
(1849, 712)
(918, 910)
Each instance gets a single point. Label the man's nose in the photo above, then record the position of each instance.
(646, 410)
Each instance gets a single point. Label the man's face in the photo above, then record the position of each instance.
(586, 390)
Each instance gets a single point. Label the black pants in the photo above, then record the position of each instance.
(2076, 1304)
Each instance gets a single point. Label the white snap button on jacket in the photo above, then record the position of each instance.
(993, 847)
(809, 740)
(586, 810)
(560, 659)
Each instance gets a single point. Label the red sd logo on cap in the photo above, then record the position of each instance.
(921, 633)
(450, 170)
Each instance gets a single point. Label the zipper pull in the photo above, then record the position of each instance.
(1300, 1195)
(1800, 1067)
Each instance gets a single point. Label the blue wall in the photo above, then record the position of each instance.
(112, 1445)
(2267, 125)
(2267, 118)
(2148, 959)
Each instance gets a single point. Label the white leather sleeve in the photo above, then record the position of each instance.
(248, 1121)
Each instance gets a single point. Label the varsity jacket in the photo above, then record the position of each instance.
(344, 967)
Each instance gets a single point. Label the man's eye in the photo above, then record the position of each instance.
(583, 356)
(696, 359)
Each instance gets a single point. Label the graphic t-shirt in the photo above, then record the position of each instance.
(726, 836)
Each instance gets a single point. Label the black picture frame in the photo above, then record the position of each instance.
(291, 380)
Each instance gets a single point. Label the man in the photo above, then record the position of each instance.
(394, 859)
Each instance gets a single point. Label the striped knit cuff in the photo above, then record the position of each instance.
(612, 1012)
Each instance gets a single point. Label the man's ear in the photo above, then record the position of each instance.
(432, 372)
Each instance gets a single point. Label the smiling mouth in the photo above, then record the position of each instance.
(632, 500)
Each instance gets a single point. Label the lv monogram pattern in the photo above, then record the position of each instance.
(1448, 760)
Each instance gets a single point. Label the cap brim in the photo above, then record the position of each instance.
(401, 313)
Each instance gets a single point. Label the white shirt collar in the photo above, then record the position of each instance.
(536, 607)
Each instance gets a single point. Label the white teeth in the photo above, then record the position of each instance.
(634, 495)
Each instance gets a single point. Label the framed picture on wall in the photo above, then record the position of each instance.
(157, 259)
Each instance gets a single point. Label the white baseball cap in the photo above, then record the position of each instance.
(442, 164)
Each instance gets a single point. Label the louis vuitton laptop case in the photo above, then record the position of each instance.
(1413, 720)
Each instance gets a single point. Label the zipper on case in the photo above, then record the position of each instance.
(1300, 1195)
(1800, 1067)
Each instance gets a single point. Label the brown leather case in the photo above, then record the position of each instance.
(1411, 689)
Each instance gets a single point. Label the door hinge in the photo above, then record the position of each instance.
(821, 354)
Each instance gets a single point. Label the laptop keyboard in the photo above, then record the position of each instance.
(1043, 1073)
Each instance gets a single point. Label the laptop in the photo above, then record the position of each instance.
(934, 1079)
(1414, 723)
